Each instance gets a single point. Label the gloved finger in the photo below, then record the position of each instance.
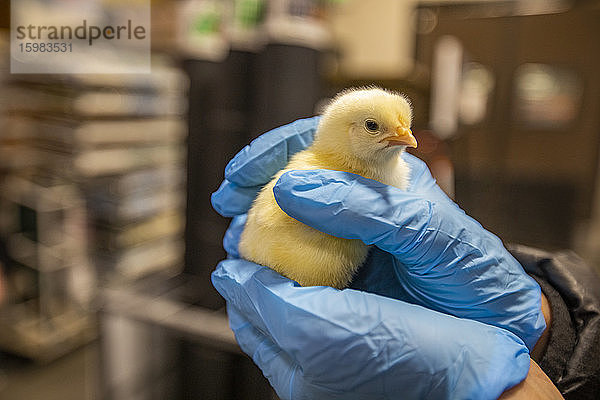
(231, 200)
(419, 172)
(256, 163)
(353, 207)
(276, 365)
(232, 235)
(351, 339)
(421, 181)
(443, 258)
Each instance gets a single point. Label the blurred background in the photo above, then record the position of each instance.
(107, 236)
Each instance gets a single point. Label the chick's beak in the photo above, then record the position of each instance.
(403, 137)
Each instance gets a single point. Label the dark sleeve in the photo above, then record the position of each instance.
(572, 358)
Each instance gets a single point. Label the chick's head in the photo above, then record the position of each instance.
(371, 124)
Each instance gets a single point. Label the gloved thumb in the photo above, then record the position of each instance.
(353, 207)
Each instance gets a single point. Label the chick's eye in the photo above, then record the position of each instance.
(371, 126)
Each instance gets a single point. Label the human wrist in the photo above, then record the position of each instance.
(540, 347)
(535, 386)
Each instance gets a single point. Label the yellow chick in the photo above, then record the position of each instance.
(363, 131)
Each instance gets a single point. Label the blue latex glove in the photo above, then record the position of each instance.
(322, 343)
(428, 251)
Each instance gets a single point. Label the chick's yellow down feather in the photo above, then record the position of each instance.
(363, 131)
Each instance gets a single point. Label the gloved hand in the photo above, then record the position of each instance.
(428, 251)
(322, 343)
